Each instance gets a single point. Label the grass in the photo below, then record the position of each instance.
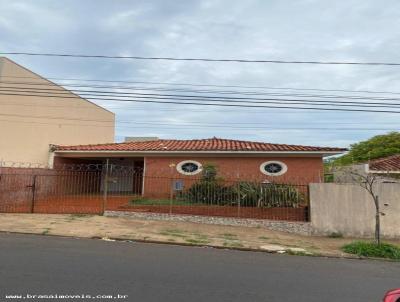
(263, 237)
(200, 236)
(197, 241)
(232, 244)
(193, 238)
(174, 233)
(229, 236)
(371, 249)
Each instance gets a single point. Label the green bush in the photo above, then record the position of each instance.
(254, 194)
(371, 249)
(208, 192)
(211, 190)
(250, 194)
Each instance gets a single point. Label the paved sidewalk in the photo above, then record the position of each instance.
(87, 226)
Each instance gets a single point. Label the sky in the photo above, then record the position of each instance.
(351, 30)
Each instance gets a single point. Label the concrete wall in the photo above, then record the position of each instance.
(349, 209)
(29, 124)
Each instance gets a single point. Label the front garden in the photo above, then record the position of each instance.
(214, 196)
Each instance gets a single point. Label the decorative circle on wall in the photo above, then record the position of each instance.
(189, 167)
(273, 168)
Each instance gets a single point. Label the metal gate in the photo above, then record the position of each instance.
(86, 189)
(16, 193)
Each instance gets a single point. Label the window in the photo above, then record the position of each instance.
(189, 167)
(273, 168)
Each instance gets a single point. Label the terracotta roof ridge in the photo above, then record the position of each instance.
(277, 144)
(204, 144)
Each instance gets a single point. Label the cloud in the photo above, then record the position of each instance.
(355, 30)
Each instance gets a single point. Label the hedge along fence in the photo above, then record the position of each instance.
(211, 189)
(214, 196)
(247, 194)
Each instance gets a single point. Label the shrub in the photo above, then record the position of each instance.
(208, 192)
(371, 249)
(268, 195)
(276, 195)
(209, 172)
(209, 189)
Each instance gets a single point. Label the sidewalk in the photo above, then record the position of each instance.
(87, 226)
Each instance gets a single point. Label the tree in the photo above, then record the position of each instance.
(375, 147)
(369, 182)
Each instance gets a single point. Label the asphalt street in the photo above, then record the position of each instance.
(44, 265)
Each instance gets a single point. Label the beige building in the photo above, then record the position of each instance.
(36, 113)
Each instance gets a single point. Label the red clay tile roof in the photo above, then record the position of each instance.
(211, 144)
(390, 163)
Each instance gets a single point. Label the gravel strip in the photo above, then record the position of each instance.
(301, 228)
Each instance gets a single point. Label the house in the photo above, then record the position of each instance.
(164, 159)
(387, 167)
(384, 165)
(36, 113)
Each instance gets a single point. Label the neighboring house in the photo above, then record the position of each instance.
(184, 159)
(36, 113)
(387, 167)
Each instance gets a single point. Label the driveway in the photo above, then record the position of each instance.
(33, 264)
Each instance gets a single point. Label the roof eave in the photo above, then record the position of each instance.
(167, 152)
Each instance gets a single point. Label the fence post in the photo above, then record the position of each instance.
(238, 194)
(105, 188)
(33, 187)
(171, 184)
(171, 194)
(308, 204)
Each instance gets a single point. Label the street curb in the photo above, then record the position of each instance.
(243, 249)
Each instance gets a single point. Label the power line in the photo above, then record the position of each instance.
(357, 97)
(130, 108)
(233, 99)
(261, 126)
(225, 100)
(150, 122)
(226, 104)
(205, 85)
(203, 59)
(169, 126)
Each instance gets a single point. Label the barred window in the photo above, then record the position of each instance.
(189, 167)
(273, 168)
